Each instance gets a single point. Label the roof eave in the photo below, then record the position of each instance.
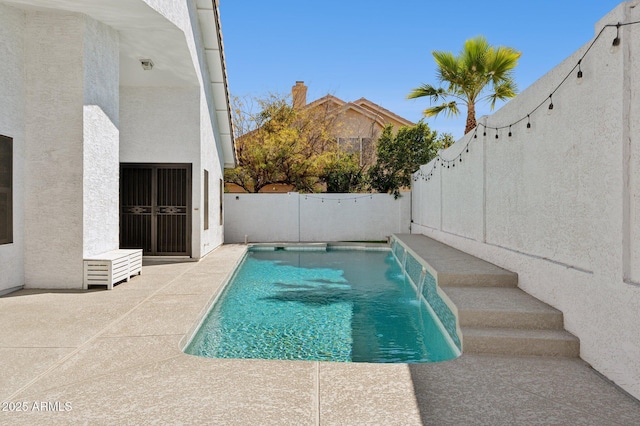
(214, 52)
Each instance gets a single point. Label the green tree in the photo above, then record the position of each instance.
(400, 155)
(480, 72)
(343, 173)
(279, 144)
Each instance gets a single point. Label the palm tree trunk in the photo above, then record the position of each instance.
(471, 118)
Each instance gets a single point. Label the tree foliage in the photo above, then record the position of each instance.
(480, 72)
(343, 173)
(280, 144)
(400, 155)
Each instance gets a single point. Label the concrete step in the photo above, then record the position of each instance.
(508, 341)
(457, 268)
(495, 316)
(502, 307)
(506, 279)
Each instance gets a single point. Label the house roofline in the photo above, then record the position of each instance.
(383, 110)
(227, 138)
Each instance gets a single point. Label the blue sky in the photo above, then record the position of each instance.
(382, 50)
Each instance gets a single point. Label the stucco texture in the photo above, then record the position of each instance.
(558, 202)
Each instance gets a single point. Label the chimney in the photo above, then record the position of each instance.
(299, 94)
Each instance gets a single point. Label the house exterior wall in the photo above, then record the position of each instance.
(61, 84)
(12, 89)
(558, 203)
(210, 161)
(161, 125)
(53, 149)
(100, 139)
(193, 140)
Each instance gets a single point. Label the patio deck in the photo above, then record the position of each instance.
(114, 357)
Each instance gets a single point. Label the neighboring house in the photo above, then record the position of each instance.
(114, 133)
(358, 124)
(356, 128)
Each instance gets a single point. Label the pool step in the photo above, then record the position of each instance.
(509, 321)
(495, 316)
(502, 307)
(509, 341)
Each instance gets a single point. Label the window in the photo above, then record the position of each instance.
(221, 201)
(364, 147)
(206, 199)
(6, 190)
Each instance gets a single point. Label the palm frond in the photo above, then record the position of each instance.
(427, 90)
(450, 109)
(503, 91)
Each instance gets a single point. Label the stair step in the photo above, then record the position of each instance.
(457, 268)
(507, 341)
(502, 307)
(506, 279)
(495, 316)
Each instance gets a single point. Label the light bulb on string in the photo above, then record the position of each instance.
(510, 130)
(616, 41)
(579, 75)
(551, 101)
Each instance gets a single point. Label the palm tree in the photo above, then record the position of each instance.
(465, 77)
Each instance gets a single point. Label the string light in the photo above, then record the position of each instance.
(616, 41)
(339, 200)
(579, 69)
(579, 75)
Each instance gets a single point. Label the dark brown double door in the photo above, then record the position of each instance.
(155, 208)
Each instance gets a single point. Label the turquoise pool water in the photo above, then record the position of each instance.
(352, 306)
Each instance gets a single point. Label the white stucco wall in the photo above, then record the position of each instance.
(53, 149)
(63, 65)
(558, 203)
(71, 164)
(101, 164)
(12, 26)
(297, 217)
(161, 125)
(178, 123)
(212, 157)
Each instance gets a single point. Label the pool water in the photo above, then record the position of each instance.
(351, 306)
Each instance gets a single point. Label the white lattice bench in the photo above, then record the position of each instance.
(112, 267)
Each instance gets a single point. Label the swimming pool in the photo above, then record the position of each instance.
(328, 305)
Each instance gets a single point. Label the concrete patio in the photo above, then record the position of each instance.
(113, 357)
